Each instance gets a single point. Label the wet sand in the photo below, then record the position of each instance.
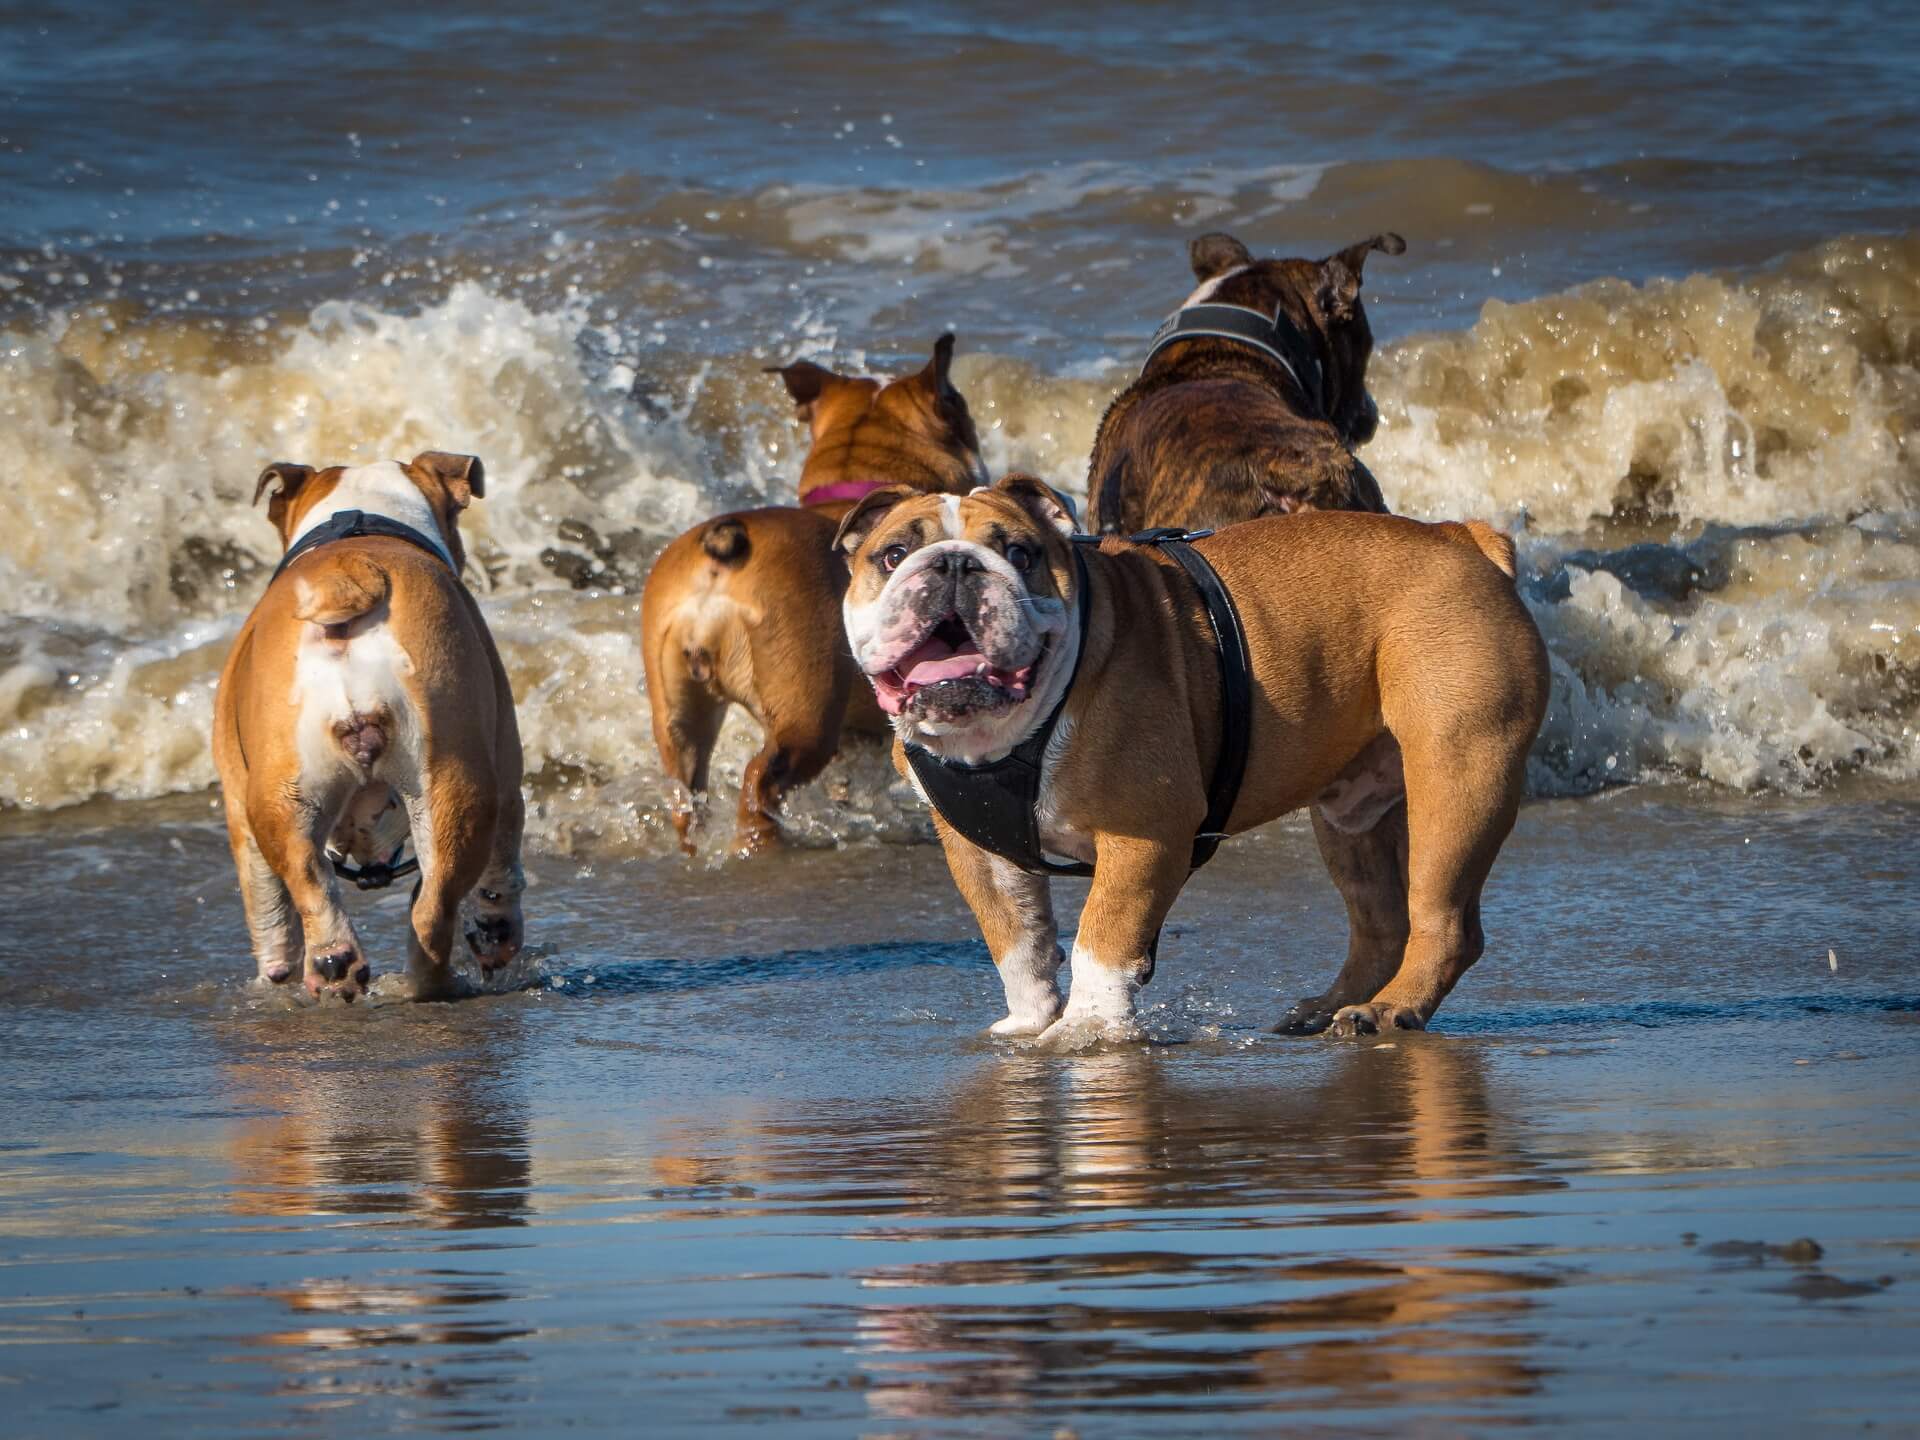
(740, 1159)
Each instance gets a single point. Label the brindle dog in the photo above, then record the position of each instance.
(1216, 431)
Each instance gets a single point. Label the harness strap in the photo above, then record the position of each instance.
(353, 525)
(1273, 335)
(995, 805)
(378, 875)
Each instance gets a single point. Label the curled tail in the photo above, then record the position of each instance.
(1487, 540)
(725, 540)
(350, 587)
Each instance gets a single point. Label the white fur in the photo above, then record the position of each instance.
(1030, 969)
(1366, 790)
(1056, 836)
(383, 488)
(1207, 288)
(333, 681)
(950, 518)
(1100, 1002)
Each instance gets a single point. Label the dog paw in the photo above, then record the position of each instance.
(494, 941)
(340, 971)
(1374, 1017)
(1307, 1017)
(278, 973)
(1020, 1025)
(1071, 1034)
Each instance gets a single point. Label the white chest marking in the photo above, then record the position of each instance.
(378, 489)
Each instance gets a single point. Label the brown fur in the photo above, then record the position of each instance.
(463, 744)
(744, 609)
(1213, 432)
(1365, 631)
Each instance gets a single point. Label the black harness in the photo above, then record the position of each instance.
(995, 805)
(1273, 335)
(353, 525)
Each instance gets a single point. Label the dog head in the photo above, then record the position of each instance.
(1321, 297)
(914, 431)
(428, 492)
(962, 611)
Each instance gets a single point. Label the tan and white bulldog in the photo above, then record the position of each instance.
(743, 609)
(364, 701)
(1362, 630)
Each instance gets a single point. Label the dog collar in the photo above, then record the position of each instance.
(1253, 328)
(353, 525)
(843, 490)
(995, 806)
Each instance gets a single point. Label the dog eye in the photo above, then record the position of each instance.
(1020, 558)
(893, 557)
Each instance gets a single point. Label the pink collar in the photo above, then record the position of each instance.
(843, 490)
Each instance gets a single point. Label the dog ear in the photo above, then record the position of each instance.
(280, 479)
(805, 380)
(936, 370)
(1340, 273)
(871, 510)
(1216, 254)
(463, 475)
(1041, 501)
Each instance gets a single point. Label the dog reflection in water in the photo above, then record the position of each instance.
(1393, 1138)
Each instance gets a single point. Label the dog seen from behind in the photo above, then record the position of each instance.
(745, 608)
(364, 708)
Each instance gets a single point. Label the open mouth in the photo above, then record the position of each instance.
(948, 663)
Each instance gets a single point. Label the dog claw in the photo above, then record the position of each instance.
(1372, 1018)
(1307, 1017)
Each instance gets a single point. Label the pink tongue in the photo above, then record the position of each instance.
(952, 667)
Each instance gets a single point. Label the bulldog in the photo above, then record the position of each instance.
(363, 703)
(1252, 400)
(740, 610)
(982, 622)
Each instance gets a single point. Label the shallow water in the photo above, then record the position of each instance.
(735, 1153)
(739, 1157)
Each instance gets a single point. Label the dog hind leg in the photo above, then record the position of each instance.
(453, 832)
(1370, 871)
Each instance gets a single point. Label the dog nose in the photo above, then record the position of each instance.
(959, 562)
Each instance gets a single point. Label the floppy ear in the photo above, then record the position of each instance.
(463, 475)
(1041, 501)
(282, 478)
(1340, 273)
(1216, 254)
(935, 371)
(861, 519)
(805, 380)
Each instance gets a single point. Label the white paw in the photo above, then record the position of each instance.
(1072, 1033)
(1023, 1024)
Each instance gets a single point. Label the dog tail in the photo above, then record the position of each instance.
(1487, 540)
(725, 540)
(345, 590)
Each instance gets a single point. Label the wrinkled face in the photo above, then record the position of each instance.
(960, 610)
(1322, 297)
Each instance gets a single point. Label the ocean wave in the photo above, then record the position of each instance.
(1712, 478)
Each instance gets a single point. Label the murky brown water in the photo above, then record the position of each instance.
(740, 1158)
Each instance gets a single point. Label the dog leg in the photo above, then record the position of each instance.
(801, 716)
(1135, 883)
(1015, 913)
(1370, 871)
(295, 849)
(1460, 808)
(499, 929)
(452, 824)
(686, 726)
(270, 916)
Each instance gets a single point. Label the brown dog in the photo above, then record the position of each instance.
(1221, 428)
(1362, 630)
(363, 701)
(744, 609)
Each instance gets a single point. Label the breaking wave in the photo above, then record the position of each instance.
(1713, 479)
